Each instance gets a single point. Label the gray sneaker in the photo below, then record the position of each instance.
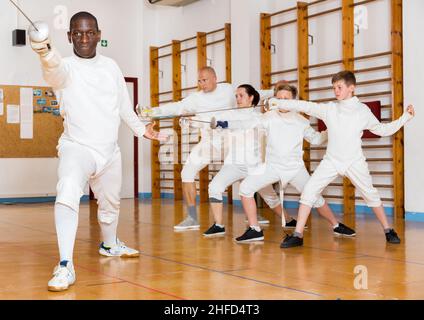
(187, 224)
(261, 219)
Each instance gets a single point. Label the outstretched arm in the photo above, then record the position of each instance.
(317, 110)
(176, 108)
(388, 129)
(239, 121)
(55, 71)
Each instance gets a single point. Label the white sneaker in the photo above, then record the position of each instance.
(63, 278)
(118, 250)
(187, 224)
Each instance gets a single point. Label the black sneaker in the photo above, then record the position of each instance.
(291, 241)
(392, 237)
(344, 231)
(214, 231)
(292, 225)
(251, 235)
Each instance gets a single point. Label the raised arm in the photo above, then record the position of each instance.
(186, 105)
(239, 121)
(313, 109)
(55, 70)
(388, 129)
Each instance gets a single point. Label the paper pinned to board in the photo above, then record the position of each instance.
(27, 122)
(26, 98)
(13, 114)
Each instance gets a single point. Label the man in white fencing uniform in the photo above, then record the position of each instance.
(93, 100)
(212, 96)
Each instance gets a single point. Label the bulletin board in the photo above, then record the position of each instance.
(47, 125)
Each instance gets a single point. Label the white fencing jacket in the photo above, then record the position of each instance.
(285, 133)
(93, 99)
(345, 120)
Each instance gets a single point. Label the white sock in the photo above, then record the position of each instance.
(335, 226)
(109, 231)
(219, 225)
(257, 228)
(66, 220)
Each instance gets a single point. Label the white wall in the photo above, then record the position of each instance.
(20, 66)
(414, 94)
(142, 25)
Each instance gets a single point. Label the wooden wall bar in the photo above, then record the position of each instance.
(265, 51)
(302, 63)
(348, 64)
(176, 94)
(154, 100)
(202, 62)
(397, 102)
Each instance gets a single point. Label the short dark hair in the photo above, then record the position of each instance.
(347, 76)
(83, 15)
(283, 85)
(251, 92)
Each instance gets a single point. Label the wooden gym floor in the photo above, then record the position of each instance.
(188, 266)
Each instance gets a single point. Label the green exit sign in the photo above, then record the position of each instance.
(104, 43)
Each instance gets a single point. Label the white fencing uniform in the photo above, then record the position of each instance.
(210, 145)
(346, 120)
(284, 151)
(93, 100)
(243, 158)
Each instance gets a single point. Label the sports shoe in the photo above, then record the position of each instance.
(214, 231)
(261, 219)
(251, 235)
(292, 225)
(118, 250)
(187, 224)
(63, 277)
(291, 241)
(343, 230)
(392, 237)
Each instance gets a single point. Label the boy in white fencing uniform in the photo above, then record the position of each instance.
(345, 121)
(243, 158)
(283, 162)
(93, 100)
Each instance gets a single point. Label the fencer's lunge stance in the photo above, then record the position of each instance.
(345, 119)
(243, 158)
(212, 96)
(93, 100)
(283, 162)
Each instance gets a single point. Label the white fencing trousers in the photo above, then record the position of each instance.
(357, 173)
(297, 178)
(230, 174)
(77, 167)
(200, 156)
